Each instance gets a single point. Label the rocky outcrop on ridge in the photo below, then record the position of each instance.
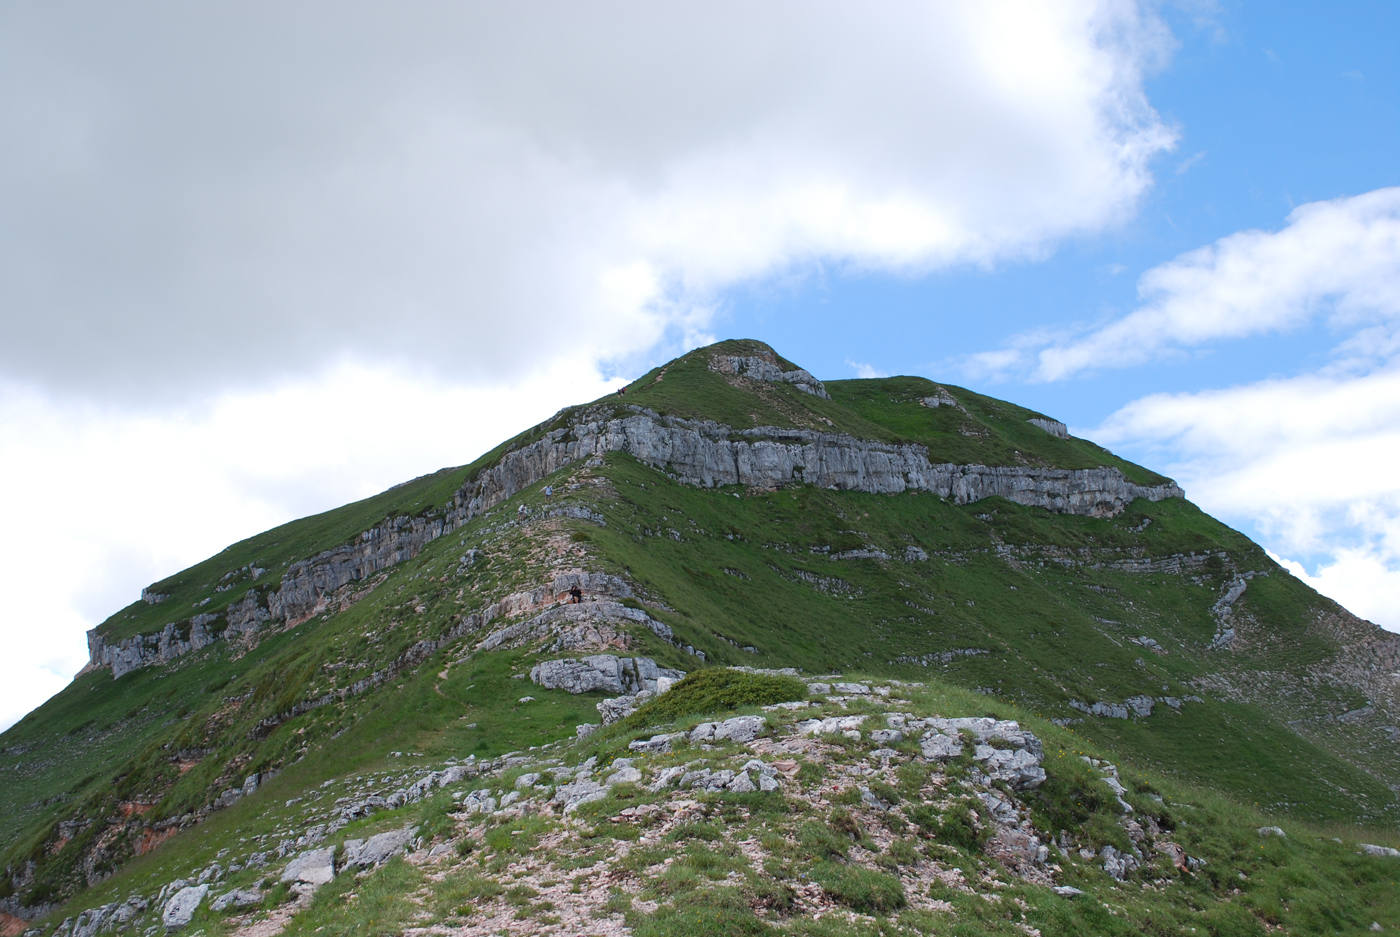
(704, 453)
(603, 672)
(174, 640)
(695, 452)
(761, 369)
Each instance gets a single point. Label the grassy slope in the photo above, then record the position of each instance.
(1305, 883)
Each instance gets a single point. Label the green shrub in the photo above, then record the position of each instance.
(714, 690)
(860, 889)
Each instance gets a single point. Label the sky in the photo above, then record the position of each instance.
(259, 260)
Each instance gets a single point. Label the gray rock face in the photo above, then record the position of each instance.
(1053, 427)
(700, 452)
(174, 640)
(314, 867)
(180, 908)
(695, 452)
(655, 744)
(602, 672)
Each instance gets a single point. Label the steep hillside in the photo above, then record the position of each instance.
(728, 509)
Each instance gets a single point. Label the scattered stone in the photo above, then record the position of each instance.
(851, 689)
(526, 780)
(1384, 851)
(819, 689)
(887, 736)
(1271, 831)
(1067, 891)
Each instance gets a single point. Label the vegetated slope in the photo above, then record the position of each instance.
(1256, 687)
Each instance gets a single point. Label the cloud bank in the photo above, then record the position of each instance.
(199, 196)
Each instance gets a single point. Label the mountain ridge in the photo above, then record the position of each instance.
(1064, 581)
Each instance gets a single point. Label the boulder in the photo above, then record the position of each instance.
(574, 795)
(1380, 851)
(182, 906)
(740, 729)
(655, 744)
(378, 848)
(624, 775)
(314, 867)
(851, 689)
(605, 672)
(238, 898)
(830, 725)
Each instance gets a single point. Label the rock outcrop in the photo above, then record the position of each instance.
(602, 672)
(761, 369)
(694, 452)
(703, 453)
(174, 640)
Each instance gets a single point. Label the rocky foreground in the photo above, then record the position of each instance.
(856, 803)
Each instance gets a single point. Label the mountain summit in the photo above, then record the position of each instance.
(930, 630)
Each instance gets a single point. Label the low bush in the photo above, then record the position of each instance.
(717, 690)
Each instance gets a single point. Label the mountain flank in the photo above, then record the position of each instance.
(839, 579)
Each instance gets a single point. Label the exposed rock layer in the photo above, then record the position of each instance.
(694, 452)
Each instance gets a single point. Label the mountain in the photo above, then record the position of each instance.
(851, 563)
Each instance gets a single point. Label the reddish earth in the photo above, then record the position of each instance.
(11, 926)
(150, 839)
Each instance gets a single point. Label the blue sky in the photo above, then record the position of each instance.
(1276, 105)
(259, 261)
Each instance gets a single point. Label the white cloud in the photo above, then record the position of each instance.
(1306, 462)
(1337, 260)
(196, 196)
(100, 501)
(865, 371)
